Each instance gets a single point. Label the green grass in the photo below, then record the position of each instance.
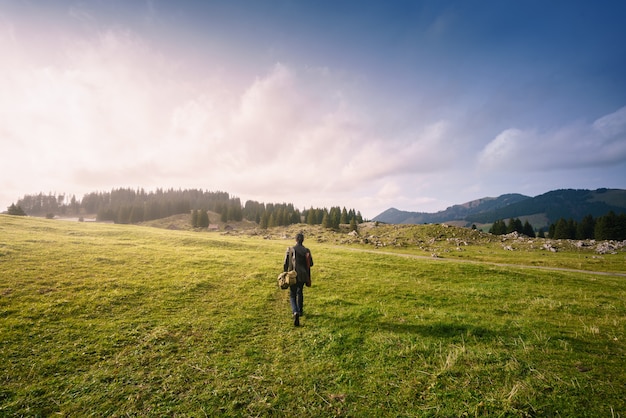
(110, 320)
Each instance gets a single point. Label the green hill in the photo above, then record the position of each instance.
(554, 205)
(122, 320)
(454, 213)
(540, 211)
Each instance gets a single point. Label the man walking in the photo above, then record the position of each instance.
(303, 263)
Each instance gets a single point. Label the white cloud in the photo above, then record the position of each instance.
(504, 148)
(576, 145)
(113, 112)
(612, 126)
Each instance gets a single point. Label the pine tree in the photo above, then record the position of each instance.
(562, 230)
(276, 216)
(611, 226)
(528, 230)
(498, 228)
(311, 218)
(320, 213)
(272, 221)
(585, 228)
(296, 217)
(326, 220)
(235, 212)
(515, 225)
(16, 210)
(265, 220)
(335, 217)
(136, 215)
(123, 215)
(344, 216)
(203, 219)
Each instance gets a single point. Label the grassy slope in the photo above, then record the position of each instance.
(123, 320)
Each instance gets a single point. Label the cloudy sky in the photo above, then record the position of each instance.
(410, 104)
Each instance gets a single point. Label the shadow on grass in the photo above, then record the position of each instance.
(439, 329)
(436, 329)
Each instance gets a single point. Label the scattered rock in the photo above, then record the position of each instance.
(610, 247)
(548, 247)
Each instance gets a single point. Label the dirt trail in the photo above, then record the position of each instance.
(457, 260)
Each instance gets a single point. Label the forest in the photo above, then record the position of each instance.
(608, 227)
(130, 206)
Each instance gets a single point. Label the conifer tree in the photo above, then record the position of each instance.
(528, 230)
(515, 225)
(265, 220)
(344, 216)
(16, 210)
(335, 217)
(585, 228)
(311, 217)
(498, 228)
(203, 219)
(279, 216)
(326, 220)
(611, 226)
(296, 217)
(320, 215)
(562, 230)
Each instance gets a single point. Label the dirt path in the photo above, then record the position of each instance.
(457, 260)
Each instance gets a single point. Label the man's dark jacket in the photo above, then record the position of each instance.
(303, 267)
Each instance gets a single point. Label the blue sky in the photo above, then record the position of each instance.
(416, 105)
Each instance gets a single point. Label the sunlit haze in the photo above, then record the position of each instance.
(368, 105)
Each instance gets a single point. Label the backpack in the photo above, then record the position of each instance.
(290, 277)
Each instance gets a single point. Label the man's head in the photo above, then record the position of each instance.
(300, 238)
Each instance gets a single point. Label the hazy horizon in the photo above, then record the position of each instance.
(416, 105)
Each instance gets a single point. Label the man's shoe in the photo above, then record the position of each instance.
(296, 319)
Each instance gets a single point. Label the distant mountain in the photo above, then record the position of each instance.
(541, 210)
(453, 213)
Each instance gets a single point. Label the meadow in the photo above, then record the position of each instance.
(112, 320)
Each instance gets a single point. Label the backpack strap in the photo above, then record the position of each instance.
(292, 259)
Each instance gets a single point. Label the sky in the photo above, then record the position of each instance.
(417, 105)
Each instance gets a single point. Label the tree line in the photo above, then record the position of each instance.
(125, 205)
(129, 206)
(282, 214)
(499, 227)
(608, 227)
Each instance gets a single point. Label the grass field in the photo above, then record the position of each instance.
(110, 320)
